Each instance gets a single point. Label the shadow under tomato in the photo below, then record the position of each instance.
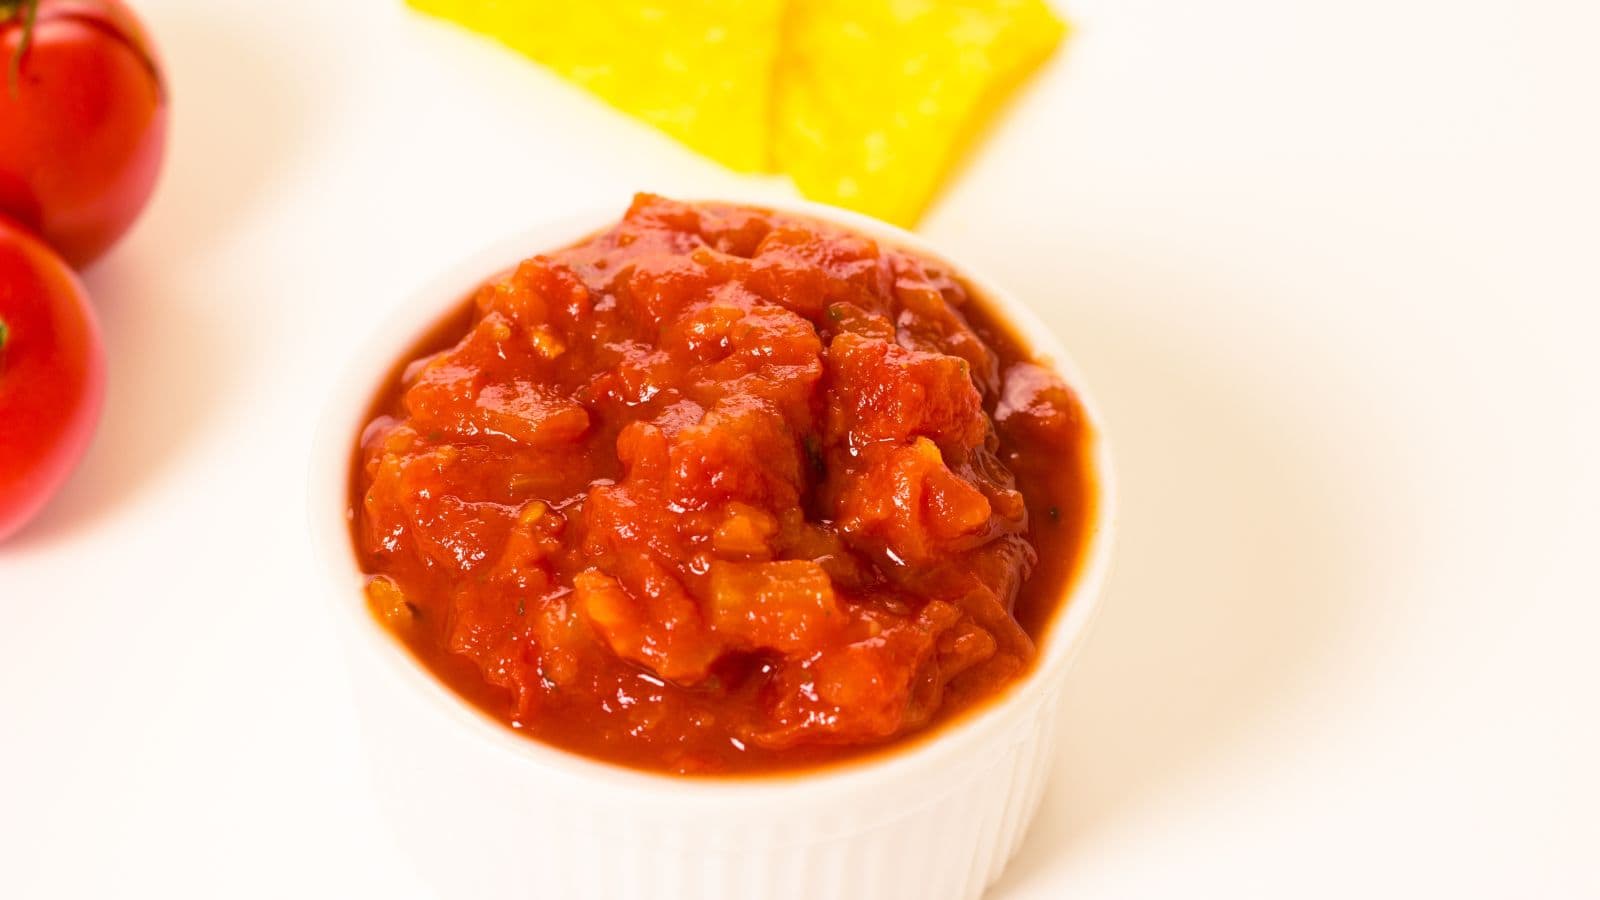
(165, 302)
(1234, 547)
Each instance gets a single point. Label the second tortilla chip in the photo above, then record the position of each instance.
(877, 98)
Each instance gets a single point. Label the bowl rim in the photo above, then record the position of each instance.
(344, 416)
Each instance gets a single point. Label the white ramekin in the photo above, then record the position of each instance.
(485, 813)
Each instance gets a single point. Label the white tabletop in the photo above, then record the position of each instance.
(1330, 266)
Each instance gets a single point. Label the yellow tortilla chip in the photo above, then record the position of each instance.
(700, 71)
(877, 98)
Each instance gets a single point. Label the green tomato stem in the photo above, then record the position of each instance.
(29, 11)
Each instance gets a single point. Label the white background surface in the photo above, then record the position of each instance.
(1331, 267)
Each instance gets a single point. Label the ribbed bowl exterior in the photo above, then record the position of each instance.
(480, 823)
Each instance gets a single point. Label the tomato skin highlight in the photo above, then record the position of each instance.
(52, 375)
(83, 128)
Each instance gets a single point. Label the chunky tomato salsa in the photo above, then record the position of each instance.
(721, 490)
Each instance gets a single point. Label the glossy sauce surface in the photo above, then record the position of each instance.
(721, 491)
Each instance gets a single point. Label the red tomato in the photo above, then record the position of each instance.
(52, 374)
(83, 121)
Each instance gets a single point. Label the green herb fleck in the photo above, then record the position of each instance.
(814, 454)
(522, 606)
(835, 313)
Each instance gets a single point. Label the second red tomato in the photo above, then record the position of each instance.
(52, 375)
